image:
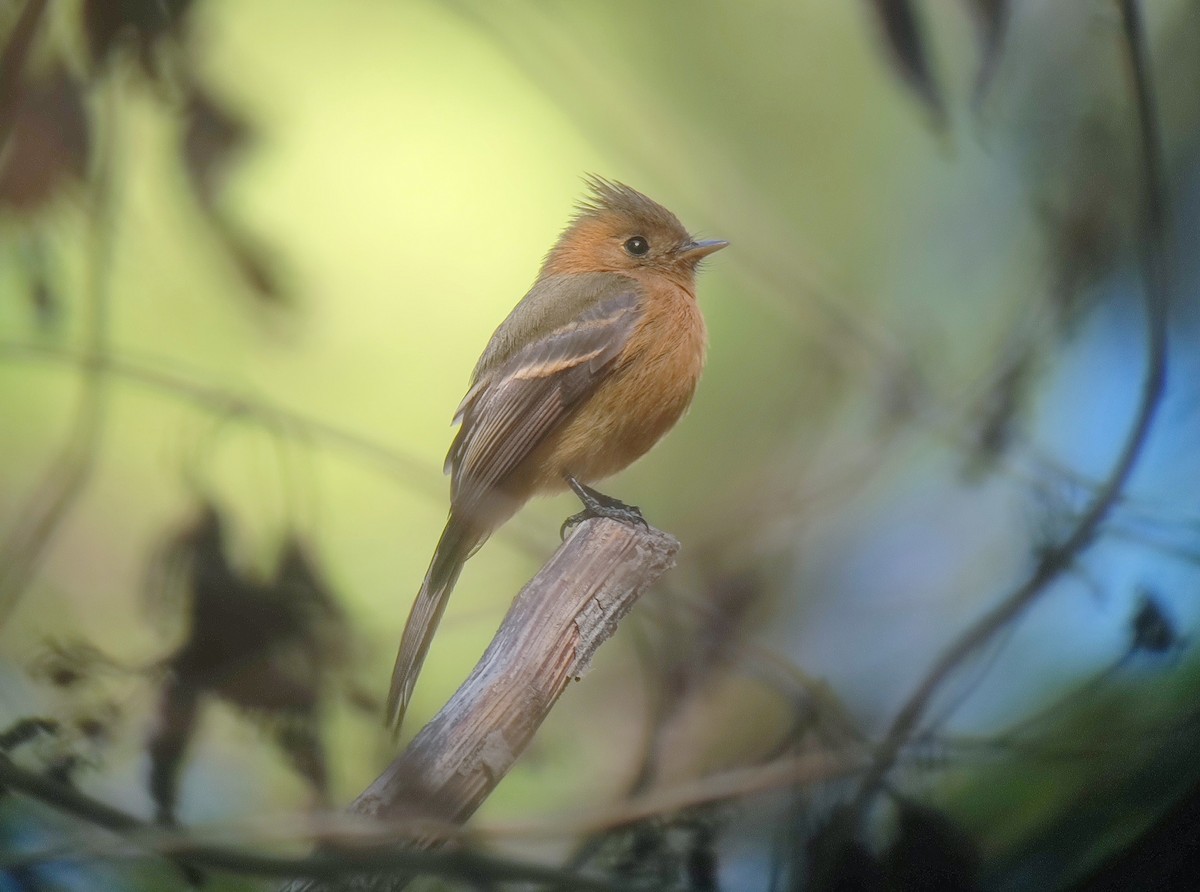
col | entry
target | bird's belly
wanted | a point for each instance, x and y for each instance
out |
(619, 424)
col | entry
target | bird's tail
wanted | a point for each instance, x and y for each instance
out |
(459, 540)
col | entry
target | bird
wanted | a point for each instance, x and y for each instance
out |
(597, 361)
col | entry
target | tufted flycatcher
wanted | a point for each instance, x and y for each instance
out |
(598, 361)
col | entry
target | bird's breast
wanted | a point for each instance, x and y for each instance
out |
(647, 392)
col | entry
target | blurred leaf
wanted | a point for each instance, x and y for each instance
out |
(213, 138)
(24, 730)
(236, 626)
(251, 262)
(930, 852)
(991, 20)
(12, 63)
(107, 24)
(731, 596)
(905, 42)
(1152, 629)
(300, 740)
(177, 713)
(94, 729)
(698, 644)
(268, 649)
(50, 142)
(62, 768)
(299, 581)
(1163, 856)
(47, 306)
(1084, 240)
(176, 722)
(996, 414)
(837, 861)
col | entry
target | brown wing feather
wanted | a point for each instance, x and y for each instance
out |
(511, 409)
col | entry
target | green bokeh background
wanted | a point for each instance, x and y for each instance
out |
(411, 164)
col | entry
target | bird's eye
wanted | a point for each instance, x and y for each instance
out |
(637, 246)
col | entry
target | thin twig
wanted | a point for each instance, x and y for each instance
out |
(217, 400)
(805, 769)
(1061, 557)
(802, 771)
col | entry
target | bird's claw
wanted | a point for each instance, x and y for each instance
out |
(597, 504)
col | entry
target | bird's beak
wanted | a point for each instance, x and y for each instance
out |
(694, 251)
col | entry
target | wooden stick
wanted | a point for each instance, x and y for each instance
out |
(547, 639)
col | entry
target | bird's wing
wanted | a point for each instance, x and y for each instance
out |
(513, 407)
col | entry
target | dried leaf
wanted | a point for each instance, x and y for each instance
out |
(266, 648)
(236, 626)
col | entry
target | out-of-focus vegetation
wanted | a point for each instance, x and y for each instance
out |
(249, 252)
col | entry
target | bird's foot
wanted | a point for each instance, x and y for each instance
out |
(597, 504)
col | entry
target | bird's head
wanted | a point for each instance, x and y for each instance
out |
(618, 229)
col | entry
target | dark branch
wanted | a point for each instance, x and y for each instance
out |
(320, 866)
(1061, 557)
